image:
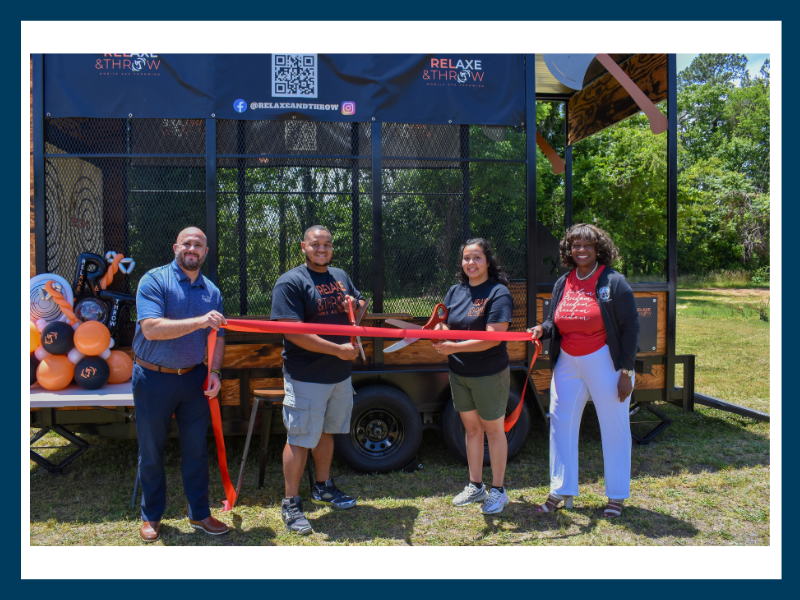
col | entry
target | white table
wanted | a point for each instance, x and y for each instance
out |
(115, 394)
(118, 394)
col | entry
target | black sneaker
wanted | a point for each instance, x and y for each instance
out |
(330, 495)
(293, 517)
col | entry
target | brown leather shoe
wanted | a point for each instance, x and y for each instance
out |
(150, 531)
(210, 525)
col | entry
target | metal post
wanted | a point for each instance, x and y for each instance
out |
(282, 235)
(241, 222)
(377, 236)
(356, 213)
(38, 164)
(465, 183)
(672, 218)
(567, 174)
(211, 198)
(310, 203)
(530, 190)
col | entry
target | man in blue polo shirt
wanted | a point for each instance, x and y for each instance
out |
(316, 373)
(176, 308)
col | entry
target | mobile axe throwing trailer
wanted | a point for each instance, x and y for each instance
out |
(403, 157)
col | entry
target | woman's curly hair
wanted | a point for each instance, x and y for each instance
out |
(495, 268)
(607, 252)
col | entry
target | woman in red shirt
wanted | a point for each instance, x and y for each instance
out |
(595, 327)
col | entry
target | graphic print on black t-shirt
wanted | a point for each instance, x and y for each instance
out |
(471, 309)
(331, 298)
(305, 295)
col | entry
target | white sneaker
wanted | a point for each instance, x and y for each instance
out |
(495, 503)
(470, 494)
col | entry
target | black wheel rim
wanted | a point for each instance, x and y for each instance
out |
(377, 433)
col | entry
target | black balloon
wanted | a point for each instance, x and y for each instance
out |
(92, 372)
(57, 337)
(92, 309)
(34, 364)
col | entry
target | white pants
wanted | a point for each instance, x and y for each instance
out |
(575, 379)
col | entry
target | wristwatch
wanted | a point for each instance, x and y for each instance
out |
(628, 372)
(218, 372)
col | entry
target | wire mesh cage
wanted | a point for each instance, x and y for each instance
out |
(130, 185)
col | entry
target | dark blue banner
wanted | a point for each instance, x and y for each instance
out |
(486, 89)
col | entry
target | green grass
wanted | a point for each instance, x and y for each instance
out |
(705, 481)
(724, 279)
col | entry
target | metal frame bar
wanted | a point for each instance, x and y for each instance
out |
(131, 155)
(377, 237)
(80, 446)
(465, 181)
(355, 216)
(672, 219)
(39, 229)
(532, 258)
(567, 172)
(211, 198)
(663, 422)
(241, 219)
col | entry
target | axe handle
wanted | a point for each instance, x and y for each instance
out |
(558, 164)
(658, 122)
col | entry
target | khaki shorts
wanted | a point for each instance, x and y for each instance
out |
(488, 395)
(311, 409)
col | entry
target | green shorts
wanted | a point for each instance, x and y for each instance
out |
(488, 395)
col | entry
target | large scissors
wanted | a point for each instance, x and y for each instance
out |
(355, 322)
(439, 316)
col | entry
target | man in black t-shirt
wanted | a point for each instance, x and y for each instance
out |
(316, 373)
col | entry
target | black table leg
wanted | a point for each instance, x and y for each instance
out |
(80, 446)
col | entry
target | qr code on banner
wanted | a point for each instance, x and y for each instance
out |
(294, 75)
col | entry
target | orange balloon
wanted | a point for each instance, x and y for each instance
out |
(91, 338)
(121, 366)
(34, 337)
(55, 372)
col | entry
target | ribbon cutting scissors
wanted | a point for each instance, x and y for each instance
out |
(355, 322)
(439, 316)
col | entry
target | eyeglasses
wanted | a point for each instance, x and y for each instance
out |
(580, 246)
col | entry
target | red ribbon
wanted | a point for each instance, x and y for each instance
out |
(349, 331)
(216, 423)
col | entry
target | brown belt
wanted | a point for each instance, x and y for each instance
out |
(152, 367)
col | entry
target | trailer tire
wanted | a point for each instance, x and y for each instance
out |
(385, 431)
(453, 430)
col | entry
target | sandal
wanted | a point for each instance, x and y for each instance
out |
(613, 509)
(553, 501)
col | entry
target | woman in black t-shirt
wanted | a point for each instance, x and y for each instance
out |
(479, 371)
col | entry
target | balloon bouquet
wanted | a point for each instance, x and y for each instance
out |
(67, 344)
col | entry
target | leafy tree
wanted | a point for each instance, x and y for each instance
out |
(715, 69)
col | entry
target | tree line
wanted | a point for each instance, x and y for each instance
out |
(619, 174)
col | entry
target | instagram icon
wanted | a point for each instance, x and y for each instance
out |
(348, 108)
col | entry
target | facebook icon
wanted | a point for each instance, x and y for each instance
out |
(240, 106)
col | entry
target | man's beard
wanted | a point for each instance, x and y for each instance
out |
(327, 264)
(182, 263)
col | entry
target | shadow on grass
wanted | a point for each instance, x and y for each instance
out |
(254, 536)
(522, 517)
(364, 522)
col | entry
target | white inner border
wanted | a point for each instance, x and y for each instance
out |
(454, 37)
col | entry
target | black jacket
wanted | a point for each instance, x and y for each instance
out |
(620, 318)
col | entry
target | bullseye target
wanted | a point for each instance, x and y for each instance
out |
(47, 309)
